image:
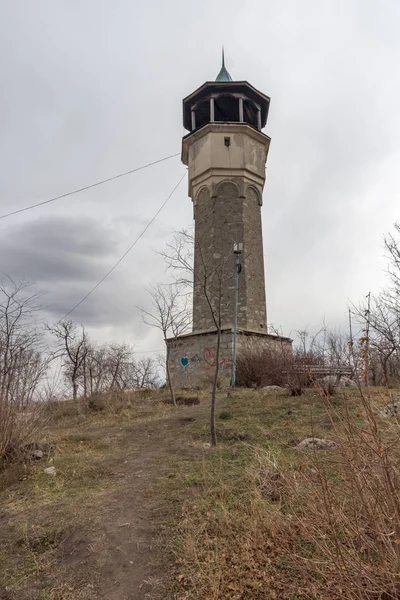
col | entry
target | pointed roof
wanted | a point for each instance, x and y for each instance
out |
(223, 75)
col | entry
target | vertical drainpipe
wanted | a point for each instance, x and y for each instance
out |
(237, 250)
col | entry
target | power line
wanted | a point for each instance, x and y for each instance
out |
(126, 252)
(88, 187)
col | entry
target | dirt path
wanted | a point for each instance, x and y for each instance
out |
(128, 546)
(128, 543)
(116, 550)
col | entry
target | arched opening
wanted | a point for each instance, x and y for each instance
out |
(250, 113)
(226, 108)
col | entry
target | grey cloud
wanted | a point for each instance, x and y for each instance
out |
(57, 249)
(92, 89)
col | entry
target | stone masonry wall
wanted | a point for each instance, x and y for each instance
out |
(192, 357)
(229, 213)
(226, 179)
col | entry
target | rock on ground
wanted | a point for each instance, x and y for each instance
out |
(392, 410)
(50, 471)
(346, 382)
(328, 380)
(37, 450)
(273, 388)
(317, 444)
(332, 380)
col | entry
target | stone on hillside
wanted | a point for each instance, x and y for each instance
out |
(328, 380)
(50, 471)
(334, 381)
(346, 382)
(38, 454)
(392, 410)
(316, 444)
(273, 388)
(37, 450)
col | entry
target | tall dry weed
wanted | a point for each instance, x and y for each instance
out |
(297, 525)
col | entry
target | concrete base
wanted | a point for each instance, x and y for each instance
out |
(193, 356)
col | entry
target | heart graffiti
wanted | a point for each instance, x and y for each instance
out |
(184, 361)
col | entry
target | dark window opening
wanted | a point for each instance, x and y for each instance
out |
(250, 113)
(202, 113)
(226, 108)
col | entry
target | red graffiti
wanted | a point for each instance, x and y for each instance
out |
(209, 355)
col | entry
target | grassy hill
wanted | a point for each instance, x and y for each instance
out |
(142, 506)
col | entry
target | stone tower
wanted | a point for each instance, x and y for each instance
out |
(226, 153)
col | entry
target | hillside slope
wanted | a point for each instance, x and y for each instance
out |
(142, 507)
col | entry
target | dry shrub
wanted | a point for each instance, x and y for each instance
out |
(327, 385)
(18, 426)
(347, 509)
(323, 525)
(258, 368)
(262, 367)
(97, 402)
(57, 410)
(23, 365)
(112, 402)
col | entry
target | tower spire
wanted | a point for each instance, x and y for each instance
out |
(223, 75)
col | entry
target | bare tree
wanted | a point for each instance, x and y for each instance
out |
(73, 348)
(23, 363)
(392, 246)
(210, 280)
(380, 316)
(119, 361)
(169, 314)
(144, 373)
(384, 337)
(179, 257)
(96, 368)
(212, 284)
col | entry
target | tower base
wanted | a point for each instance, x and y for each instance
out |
(193, 356)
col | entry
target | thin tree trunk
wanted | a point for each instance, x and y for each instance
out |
(84, 377)
(74, 389)
(214, 389)
(171, 387)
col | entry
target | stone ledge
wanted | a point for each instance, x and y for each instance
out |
(246, 332)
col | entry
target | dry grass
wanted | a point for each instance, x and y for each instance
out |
(243, 521)
(41, 516)
(258, 524)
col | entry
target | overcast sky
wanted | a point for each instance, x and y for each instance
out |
(91, 88)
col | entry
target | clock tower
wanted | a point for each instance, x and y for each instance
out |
(226, 152)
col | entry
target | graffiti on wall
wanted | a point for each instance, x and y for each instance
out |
(209, 356)
(206, 361)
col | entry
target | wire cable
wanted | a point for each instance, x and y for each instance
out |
(88, 187)
(126, 252)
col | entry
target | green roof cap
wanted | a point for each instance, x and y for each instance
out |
(223, 75)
